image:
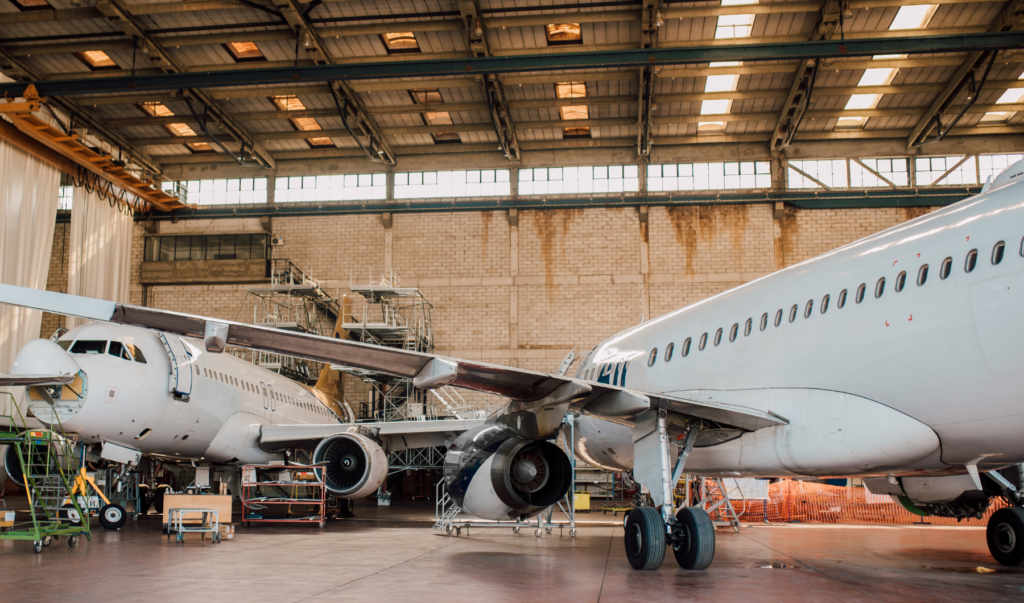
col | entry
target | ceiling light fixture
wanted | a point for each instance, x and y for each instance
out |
(479, 31)
(658, 22)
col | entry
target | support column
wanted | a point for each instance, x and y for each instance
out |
(387, 222)
(513, 298)
(645, 265)
(778, 168)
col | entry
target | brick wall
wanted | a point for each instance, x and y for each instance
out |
(57, 277)
(526, 293)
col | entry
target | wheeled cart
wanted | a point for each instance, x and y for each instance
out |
(179, 525)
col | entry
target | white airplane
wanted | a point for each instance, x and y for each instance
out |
(893, 358)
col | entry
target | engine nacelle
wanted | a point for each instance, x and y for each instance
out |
(354, 465)
(493, 473)
(9, 467)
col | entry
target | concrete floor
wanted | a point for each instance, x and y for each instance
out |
(393, 554)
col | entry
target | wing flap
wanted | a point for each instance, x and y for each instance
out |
(396, 435)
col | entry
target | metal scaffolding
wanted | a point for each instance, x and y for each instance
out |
(293, 301)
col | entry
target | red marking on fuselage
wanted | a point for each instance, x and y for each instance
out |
(911, 317)
(887, 323)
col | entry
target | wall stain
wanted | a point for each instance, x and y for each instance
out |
(909, 213)
(700, 224)
(553, 226)
(790, 228)
(486, 217)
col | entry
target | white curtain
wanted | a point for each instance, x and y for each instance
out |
(100, 250)
(28, 209)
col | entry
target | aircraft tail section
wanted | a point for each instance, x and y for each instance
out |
(330, 382)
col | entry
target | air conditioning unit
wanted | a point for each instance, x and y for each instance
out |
(276, 241)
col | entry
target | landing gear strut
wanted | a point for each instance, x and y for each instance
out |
(690, 532)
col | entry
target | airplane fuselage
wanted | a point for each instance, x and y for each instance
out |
(129, 402)
(874, 376)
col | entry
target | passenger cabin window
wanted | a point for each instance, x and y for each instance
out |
(901, 279)
(718, 336)
(946, 268)
(842, 299)
(860, 293)
(778, 317)
(88, 346)
(747, 327)
(997, 252)
(792, 313)
(668, 351)
(880, 287)
(652, 357)
(922, 275)
(117, 349)
(764, 321)
(686, 348)
(703, 342)
(824, 304)
(971, 261)
(808, 308)
(733, 332)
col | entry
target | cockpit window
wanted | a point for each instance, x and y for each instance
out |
(64, 344)
(136, 352)
(117, 349)
(88, 346)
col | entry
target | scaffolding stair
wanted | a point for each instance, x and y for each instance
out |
(717, 503)
(451, 399)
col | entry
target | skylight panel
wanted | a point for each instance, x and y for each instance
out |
(96, 60)
(721, 83)
(573, 112)
(877, 77)
(432, 96)
(302, 124)
(913, 17)
(26, 5)
(244, 52)
(402, 42)
(734, 26)
(179, 129)
(862, 101)
(715, 107)
(1013, 95)
(995, 118)
(563, 34)
(711, 127)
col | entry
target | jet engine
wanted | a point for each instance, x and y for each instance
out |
(493, 473)
(353, 465)
(9, 467)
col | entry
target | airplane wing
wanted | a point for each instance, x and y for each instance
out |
(532, 392)
(36, 379)
(396, 435)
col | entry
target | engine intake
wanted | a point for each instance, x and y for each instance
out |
(354, 466)
(493, 473)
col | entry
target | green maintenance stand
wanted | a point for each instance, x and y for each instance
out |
(49, 465)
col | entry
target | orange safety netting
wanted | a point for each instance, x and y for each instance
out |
(792, 501)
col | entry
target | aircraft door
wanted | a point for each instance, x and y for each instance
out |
(180, 382)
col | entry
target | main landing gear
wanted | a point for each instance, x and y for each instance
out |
(689, 532)
(1005, 531)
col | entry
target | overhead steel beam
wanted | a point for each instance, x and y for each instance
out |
(351, 107)
(81, 116)
(650, 21)
(969, 74)
(799, 98)
(497, 109)
(121, 18)
(621, 59)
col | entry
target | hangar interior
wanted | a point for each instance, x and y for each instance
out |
(505, 182)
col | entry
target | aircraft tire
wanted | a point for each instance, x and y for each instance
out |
(1005, 536)
(645, 538)
(698, 547)
(69, 514)
(113, 516)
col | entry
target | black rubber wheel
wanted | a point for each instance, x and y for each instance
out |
(113, 516)
(1005, 536)
(37, 546)
(697, 534)
(69, 514)
(645, 538)
(73, 541)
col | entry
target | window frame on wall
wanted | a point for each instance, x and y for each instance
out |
(443, 180)
(735, 175)
(331, 187)
(194, 247)
(580, 180)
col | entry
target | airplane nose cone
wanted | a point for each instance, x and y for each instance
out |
(44, 357)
